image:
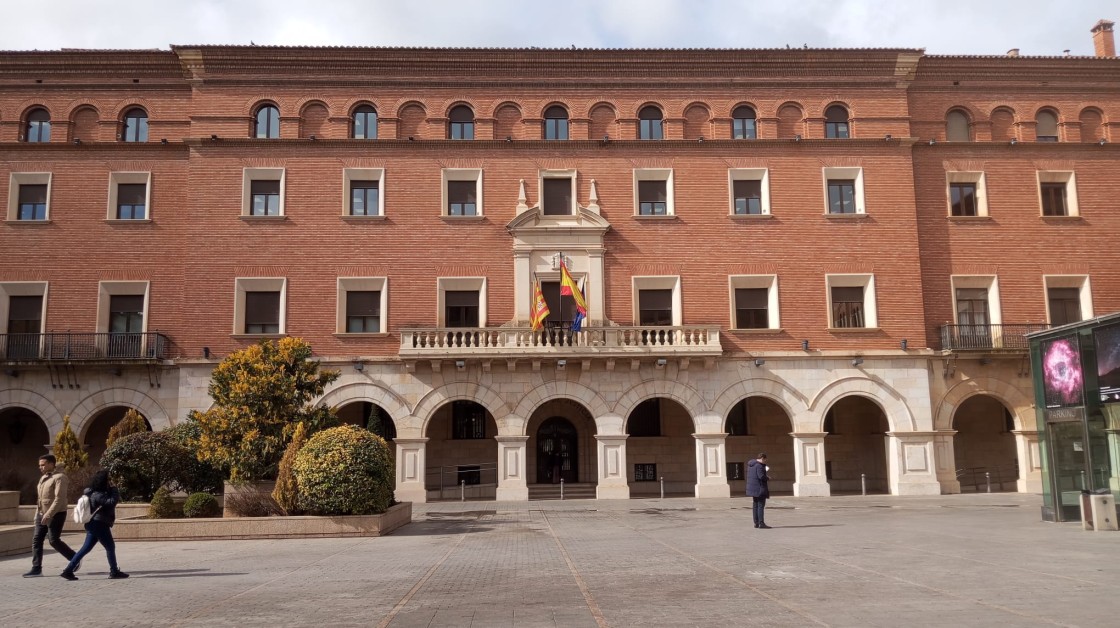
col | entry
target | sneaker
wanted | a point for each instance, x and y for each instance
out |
(77, 567)
(35, 572)
(69, 575)
(763, 526)
(117, 574)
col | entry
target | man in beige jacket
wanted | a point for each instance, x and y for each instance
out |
(50, 515)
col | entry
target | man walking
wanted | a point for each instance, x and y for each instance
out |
(50, 515)
(757, 488)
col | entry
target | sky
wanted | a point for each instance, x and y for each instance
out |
(949, 27)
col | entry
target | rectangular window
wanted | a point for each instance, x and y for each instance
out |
(972, 309)
(752, 308)
(1053, 199)
(126, 325)
(1065, 305)
(25, 323)
(556, 196)
(462, 198)
(963, 198)
(265, 197)
(468, 420)
(461, 308)
(655, 307)
(841, 196)
(836, 130)
(363, 312)
(364, 198)
(744, 129)
(262, 312)
(462, 130)
(32, 202)
(652, 198)
(132, 201)
(555, 129)
(645, 472)
(847, 306)
(735, 471)
(748, 197)
(470, 474)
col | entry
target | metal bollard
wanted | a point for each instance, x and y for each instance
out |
(462, 490)
(863, 483)
(662, 487)
(561, 489)
(1084, 486)
(988, 477)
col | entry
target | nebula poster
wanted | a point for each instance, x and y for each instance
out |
(1062, 380)
(1107, 340)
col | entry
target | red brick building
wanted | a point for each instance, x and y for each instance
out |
(830, 255)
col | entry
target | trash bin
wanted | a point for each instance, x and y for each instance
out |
(1101, 512)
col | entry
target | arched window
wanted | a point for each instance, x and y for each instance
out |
(1046, 125)
(743, 123)
(38, 128)
(956, 127)
(135, 125)
(365, 123)
(267, 123)
(836, 122)
(555, 123)
(460, 125)
(650, 124)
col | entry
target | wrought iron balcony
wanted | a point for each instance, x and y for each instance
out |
(508, 342)
(988, 337)
(84, 347)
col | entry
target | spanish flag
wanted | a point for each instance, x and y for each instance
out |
(539, 309)
(568, 287)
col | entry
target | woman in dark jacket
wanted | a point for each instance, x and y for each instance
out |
(103, 500)
(757, 488)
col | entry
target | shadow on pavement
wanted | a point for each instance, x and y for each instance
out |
(437, 528)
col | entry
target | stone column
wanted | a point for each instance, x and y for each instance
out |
(512, 485)
(612, 467)
(522, 283)
(945, 459)
(808, 456)
(1030, 461)
(910, 464)
(410, 470)
(595, 286)
(711, 466)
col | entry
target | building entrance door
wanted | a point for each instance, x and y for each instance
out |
(1069, 467)
(557, 452)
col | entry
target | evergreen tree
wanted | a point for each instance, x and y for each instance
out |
(67, 450)
(132, 423)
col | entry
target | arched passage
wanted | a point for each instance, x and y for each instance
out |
(23, 438)
(561, 445)
(462, 453)
(754, 425)
(97, 428)
(660, 446)
(984, 445)
(856, 448)
(368, 415)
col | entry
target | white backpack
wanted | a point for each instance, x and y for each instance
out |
(82, 512)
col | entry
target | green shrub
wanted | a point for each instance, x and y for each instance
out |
(287, 489)
(67, 450)
(344, 471)
(141, 463)
(131, 423)
(201, 505)
(253, 504)
(163, 507)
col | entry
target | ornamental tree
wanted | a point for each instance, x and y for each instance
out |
(132, 423)
(260, 394)
(67, 450)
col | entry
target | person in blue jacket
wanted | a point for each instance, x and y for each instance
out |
(757, 488)
(103, 500)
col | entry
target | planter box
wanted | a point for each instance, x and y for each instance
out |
(229, 489)
(262, 527)
(124, 511)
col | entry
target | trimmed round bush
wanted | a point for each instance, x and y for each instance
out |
(141, 463)
(344, 471)
(201, 505)
(163, 507)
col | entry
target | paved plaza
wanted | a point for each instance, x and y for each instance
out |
(963, 560)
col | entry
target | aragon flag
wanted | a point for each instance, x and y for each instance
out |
(539, 308)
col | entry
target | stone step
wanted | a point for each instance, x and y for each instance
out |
(16, 539)
(571, 491)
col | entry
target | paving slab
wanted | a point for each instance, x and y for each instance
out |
(963, 560)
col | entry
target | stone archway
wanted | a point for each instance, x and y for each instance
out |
(754, 425)
(856, 446)
(23, 438)
(462, 453)
(984, 446)
(554, 425)
(660, 447)
(95, 430)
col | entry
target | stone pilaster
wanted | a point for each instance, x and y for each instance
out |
(612, 467)
(512, 485)
(808, 452)
(711, 466)
(410, 470)
(910, 463)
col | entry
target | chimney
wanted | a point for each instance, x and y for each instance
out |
(1014, 52)
(1102, 39)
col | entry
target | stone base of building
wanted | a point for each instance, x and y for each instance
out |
(804, 489)
(612, 491)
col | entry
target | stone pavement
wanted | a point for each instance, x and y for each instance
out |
(963, 560)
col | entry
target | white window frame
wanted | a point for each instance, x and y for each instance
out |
(261, 174)
(855, 173)
(350, 175)
(259, 284)
(1067, 177)
(461, 174)
(981, 191)
(115, 180)
(569, 174)
(1081, 282)
(15, 180)
(9, 289)
(657, 282)
(853, 280)
(748, 174)
(361, 284)
(770, 283)
(655, 174)
(108, 289)
(444, 284)
(991, 282)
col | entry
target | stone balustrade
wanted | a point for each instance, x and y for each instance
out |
(444, 342)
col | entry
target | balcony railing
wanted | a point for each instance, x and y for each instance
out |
(83, 347)
(988, 337)
(699, 340)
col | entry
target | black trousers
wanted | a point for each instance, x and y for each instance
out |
(759, 511)
(52, 531)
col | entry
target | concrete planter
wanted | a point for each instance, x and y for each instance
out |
(263, 527)
(229, 489)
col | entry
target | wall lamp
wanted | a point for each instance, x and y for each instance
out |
(887, 137)
(163, 140)
(1014, 141)
(359, 366)
(411, 139)
(804, 345)
(312, 137)
(206, 352)
(902, 344)
(759, 361)
(661, 362)
(797, 138)
(932, 141)
(509, 138)
(1103, 141)
(561, 364)
(77, 140)
(213, 138)
(460, 364)
(856, 361)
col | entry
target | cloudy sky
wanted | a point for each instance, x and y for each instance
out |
(1036, 27)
